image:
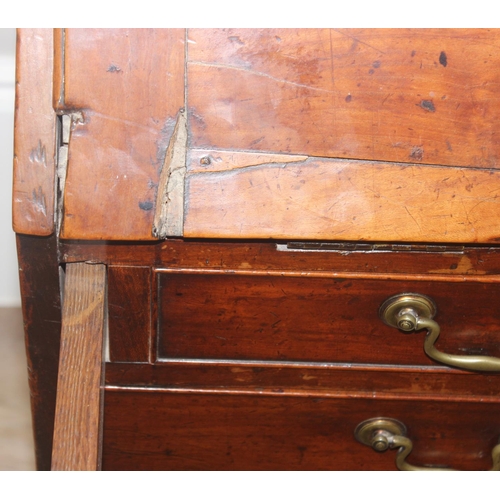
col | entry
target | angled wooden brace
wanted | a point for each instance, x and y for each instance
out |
(78, 419)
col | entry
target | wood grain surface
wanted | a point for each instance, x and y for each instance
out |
(129, 86)
(129, 313)
(181, 430)
(270, 114)
(78, 417)
(410, 96)
(404, 95)
(34, 135)
(234, 316)
(396, 261)
(368, 156)
(350, 380)
(345, 200)
(41, 304)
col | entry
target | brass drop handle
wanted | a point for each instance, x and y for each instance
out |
(412, 311)
(387, 433)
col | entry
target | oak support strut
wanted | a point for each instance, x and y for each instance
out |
(78, 405)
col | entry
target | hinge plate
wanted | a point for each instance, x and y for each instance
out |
(349, 247)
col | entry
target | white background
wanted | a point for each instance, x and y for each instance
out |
(9, 281)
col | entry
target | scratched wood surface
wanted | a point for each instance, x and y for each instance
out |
(429, 96)
(412, 96)
(129, 86)
(344, 200)
(78, 405)
(260, 99)
(193, 430)
(34, 135)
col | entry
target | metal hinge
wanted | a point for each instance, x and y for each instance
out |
(349, 247)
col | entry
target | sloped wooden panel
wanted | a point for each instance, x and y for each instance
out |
(419, 96)
(129, 86)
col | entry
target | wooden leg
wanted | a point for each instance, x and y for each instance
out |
(40, 293)
(77, 424)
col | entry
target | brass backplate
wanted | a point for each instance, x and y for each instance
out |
(365, 430)
(421, 305)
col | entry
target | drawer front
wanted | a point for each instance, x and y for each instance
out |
(286, 317)
(168, 430)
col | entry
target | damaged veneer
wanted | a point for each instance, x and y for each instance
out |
(169, 214)
(67, 123)
(117, 154)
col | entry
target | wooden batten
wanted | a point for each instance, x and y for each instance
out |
(34, 135)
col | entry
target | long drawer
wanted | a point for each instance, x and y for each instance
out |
(196, 430)
(284, 316)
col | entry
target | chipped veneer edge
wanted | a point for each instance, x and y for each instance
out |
(169, 213)
(228, 160)
(68, 121)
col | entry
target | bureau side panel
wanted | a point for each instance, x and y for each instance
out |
(129, 313)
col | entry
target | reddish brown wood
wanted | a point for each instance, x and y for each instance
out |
(129, 85)
(171, 430)
(78, 418)
(260, 317)
(413, 95)
(453, 262)
(307, 92)
(34, 135)
(344, 200)
(129, 313)
(40, 294)
(434, 383)
(247, 354)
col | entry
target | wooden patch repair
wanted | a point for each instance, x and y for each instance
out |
(169, 215)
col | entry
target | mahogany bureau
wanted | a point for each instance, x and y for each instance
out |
(260, 249)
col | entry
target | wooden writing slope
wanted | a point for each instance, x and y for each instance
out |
(260, 249)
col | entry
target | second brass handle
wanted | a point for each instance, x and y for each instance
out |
(409, 312)
(387, 433)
